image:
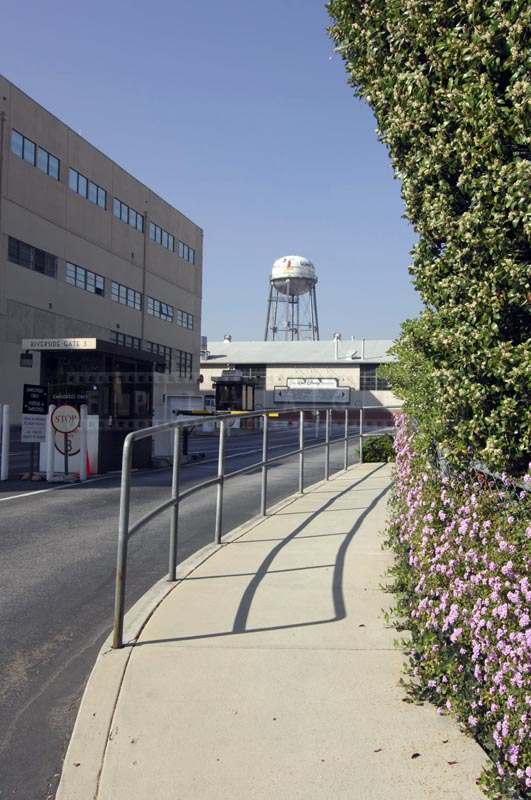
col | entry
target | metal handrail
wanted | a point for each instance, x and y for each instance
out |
(125, 531)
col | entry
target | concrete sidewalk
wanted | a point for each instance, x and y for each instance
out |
(269, 672)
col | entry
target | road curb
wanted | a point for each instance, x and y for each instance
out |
(94, 722)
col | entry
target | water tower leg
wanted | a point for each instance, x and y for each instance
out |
(268, 316)
(314, 314)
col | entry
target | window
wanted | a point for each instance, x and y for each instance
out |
(84, 279)
(126, 296)
(125, 340)
(162, 237)
(87, 189)
(184, 319)
(162, 350)
(187, 253)
(32, 257)
(24, 148)
(183, 364)
(370, 380)
(159, 309)
(128, 215)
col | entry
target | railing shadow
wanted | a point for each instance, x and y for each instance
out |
(240, 624)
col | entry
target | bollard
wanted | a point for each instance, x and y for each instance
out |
(4, 469)
(83, 421)
(50, 444)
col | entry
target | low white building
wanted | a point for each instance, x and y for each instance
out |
(341, 373)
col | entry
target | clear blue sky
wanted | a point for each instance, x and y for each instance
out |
(238, 113)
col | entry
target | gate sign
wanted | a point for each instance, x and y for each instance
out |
(35, 399)
(65, 419)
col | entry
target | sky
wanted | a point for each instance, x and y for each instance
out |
(238, 113)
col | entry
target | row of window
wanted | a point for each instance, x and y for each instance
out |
(128, 215)
(166, 312)
(162, 237)
(32, 257)
(182, 363)
(34, 154)
(159, 309)
(84, 279)
(186, 252)
(87, 189)
(37, 156)
(125, 340)
(40, 261)
(126, 296)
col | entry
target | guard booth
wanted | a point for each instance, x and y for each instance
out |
(234, 391)
(115, 382)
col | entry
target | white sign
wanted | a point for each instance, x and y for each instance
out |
(312, 383)
(33, 428)
(325, 395)
(65, 419)
(58, 344)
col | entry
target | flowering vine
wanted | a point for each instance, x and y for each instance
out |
(462, 582)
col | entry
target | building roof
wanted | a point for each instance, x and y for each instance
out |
(323, 352)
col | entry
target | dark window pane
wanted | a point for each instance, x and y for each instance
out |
(116, 207)
(151, 231)
(164, 239)
(92, 192)
(171, 243)
(140, 223)
(42, 159)
(125, 213)
(17, 143)
(29, 151)
(53, 167)
(102, 197)
(39, 260)
(72, 179)
(132, 217)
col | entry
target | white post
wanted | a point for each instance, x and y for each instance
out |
(50, 444)
(4, 470)
(83, 443)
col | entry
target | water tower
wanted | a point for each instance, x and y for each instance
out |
(292, 304)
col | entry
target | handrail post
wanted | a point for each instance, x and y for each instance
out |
(301, 454)
(221, 474)
(361, 435)
(345, 454)
(174, 522)
(123, 534)
(327, 445)
(265, 442)
(83, 433)
(6, 433)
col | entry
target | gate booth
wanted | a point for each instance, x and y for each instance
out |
(115, 382)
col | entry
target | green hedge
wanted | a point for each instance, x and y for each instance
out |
(378, 448)
(448, 84)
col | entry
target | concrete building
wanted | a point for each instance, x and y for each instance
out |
(88, 252)
(314, 373)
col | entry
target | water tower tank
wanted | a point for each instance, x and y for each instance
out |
(294, 275)
(292, 304)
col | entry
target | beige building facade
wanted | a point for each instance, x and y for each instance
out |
(342, 374)
(87, 250)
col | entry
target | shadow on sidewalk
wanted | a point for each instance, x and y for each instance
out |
(244, 607)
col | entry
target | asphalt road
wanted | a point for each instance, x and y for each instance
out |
(57, 557)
